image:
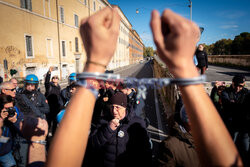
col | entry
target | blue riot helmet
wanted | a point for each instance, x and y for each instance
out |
(31, 79)
(72, 77)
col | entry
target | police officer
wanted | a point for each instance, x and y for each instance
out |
(65, 93)
(31, 101)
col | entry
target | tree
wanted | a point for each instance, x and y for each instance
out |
(148, 52)
(222, 47)
(241, 44)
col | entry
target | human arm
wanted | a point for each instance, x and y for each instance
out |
(176, 47)
(47, 79)
(35, 129)
(99, 33)
(101, 135)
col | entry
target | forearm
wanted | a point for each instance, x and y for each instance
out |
(47, 78)
(37, 154)
(212, 148)
(69, 143)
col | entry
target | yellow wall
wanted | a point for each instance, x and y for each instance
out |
(41, 23)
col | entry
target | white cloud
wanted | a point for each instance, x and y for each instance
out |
(231, 14)
(146, 37)
(229, 26)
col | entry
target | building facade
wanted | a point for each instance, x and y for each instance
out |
(121, 57)
(136, 47)
(37, 34)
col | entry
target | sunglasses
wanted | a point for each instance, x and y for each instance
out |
(241, 86)
(11, 89)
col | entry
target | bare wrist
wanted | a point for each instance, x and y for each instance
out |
(90, 67)
(185, 72)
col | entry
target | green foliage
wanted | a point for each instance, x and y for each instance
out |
(148, 52)
(222, 47)
(240, 45)
(13, 72)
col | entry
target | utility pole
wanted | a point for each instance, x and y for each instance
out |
(190, 5)
(59, 42)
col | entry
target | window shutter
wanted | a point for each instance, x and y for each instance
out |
(29, 5)
(29, 46)
(62, 14)
(22, 3)
(63, 49)
(76, 44)
(76, 20)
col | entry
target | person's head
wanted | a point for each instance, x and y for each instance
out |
(110, 85)
(200, 47)
(8, 88)
(118, 104)
(6, 102)
(55, 79)
(72, 78)
(73, 88)
(14, 81)
(31, 82)
(238, 82)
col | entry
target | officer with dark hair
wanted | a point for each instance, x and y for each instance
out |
(11, 118)
(233, 100)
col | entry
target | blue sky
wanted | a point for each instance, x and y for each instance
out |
(220, 18)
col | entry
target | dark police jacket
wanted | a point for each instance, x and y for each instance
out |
(32, 103)
(128, 145)
(235, 108)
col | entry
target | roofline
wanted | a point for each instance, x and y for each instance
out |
(122, 13)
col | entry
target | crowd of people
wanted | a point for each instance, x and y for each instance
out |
(95, 125)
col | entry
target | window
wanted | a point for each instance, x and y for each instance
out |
(29, 48)
(63, 48)
(76, 20)
(46, 7)
(94, 5)
(100, 8)
(26, 4)
(76, 44)
(85, 2)
(62, 14)
(30, 70)
(49, 46)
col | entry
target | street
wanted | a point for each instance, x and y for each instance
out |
(153, 110)
(216, 73)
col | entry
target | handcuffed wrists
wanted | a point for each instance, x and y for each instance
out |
(42, 142)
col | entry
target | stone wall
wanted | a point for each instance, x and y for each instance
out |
(234, 60)
(168, 94)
